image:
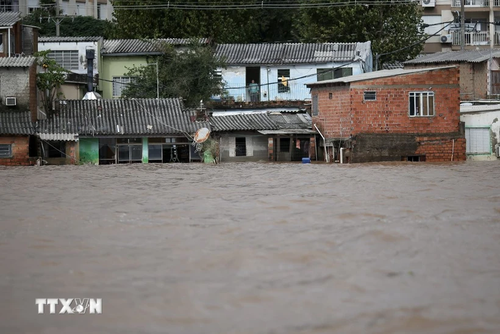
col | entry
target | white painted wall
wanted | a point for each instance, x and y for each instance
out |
(235, 79)
(480, 117)
(82, 49)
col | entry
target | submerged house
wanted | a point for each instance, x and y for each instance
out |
(263, 135)
(18, 110)
(282, 69)
(121, 131)
(390, 115)
(482, 130)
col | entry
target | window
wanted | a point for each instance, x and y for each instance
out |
(332, 73)
(285, 145)
(370, 96)
(421, 104)
(5, 150)
(283, 84)
(315, 110)
(120, 84)
(342, 72)
(241, 147)
(107, 149)
(56, 149)
(66, 58)
(477, 140)
(1, 42)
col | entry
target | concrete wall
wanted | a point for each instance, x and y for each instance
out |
(484, 119)
(18, 82)
(20, 151)
(117, 67)
(256, 147)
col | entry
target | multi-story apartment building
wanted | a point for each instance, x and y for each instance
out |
(99, 9)
(480, 29)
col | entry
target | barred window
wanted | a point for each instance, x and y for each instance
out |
(421, 104)
(315, 110)
(120, 84)
(370, 96)
(283, 77)
(65, 58)
(5, 150)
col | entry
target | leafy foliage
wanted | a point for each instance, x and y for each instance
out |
(190, 74)
(222, 26)
(49, 79)
(70, 26)
(390, 27)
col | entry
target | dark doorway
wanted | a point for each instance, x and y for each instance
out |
(252, 73)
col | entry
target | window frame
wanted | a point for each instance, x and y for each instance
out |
(369, 93)
(281, 87)
(8, 149)
(68, 59)
(121, 83)
(418, 98)
(315, 105)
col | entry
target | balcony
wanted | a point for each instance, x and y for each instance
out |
(473, 38)
(474, 3)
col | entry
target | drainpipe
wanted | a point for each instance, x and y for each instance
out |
(324, 143)
(8, 41)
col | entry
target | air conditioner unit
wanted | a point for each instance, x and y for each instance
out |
(428, 3)
(10, 101)
(447, 38)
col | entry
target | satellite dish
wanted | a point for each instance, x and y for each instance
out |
(201, 135)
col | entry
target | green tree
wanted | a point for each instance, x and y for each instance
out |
(49, 80)
(70, 26)
(389, 26)
(219, 24)
(190, 74)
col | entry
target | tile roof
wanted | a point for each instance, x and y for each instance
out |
(377, 75)
(135, 117)
(291, 53)
(470, 56)
(55, 39)
(141, 46)
(8, 19)
(17, 61)
(247, 121)
(16, 123)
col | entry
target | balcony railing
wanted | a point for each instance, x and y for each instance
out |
(473, 3)
(471, 38)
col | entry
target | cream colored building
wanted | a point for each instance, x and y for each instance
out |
(480, 15)
(99, 9)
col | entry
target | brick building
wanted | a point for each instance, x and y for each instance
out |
(390, 115)
(479, 70)
(18, 110)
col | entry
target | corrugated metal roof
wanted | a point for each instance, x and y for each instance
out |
(479, 108)
(377, 75)
(260, 121)
(16, 123)
(287, 132)
(469, 56)
(59, 136)
(134, 46)
(17, 61)
(291, 53)
(55, 39)
(134, 117)
(247, 121)
(8, 19)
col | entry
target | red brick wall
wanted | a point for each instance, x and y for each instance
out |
(441, 149)
(346, 113)
(20, 151)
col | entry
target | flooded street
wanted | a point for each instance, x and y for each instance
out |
(253, 248)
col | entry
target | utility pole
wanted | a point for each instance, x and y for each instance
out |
(462, 25)
(57, 21)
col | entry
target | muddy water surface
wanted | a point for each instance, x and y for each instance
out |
(253, 248)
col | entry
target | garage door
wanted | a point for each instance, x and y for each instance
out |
(478, 140)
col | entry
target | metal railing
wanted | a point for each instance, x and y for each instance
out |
(295, 91)
(473, 3)
(472, 38)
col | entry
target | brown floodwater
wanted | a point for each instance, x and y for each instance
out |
(253, 248)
